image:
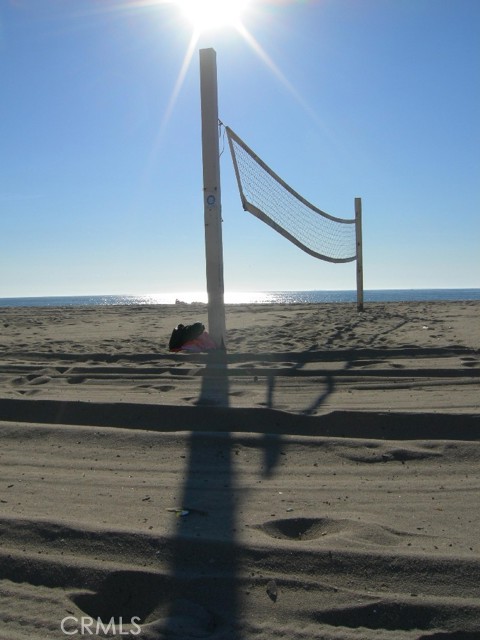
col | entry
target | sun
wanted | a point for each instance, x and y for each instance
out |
(213, 14)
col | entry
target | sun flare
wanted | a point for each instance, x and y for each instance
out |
(212, 14)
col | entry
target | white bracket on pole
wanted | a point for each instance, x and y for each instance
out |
(212, 196)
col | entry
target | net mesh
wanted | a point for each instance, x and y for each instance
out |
(269, 198)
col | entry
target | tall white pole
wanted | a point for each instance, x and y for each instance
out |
(359, 243)
(212, 196)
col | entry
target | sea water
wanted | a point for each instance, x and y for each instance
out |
(251, 297)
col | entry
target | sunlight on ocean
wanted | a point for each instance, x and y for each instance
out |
(304, 297)
(247, 297)
(232, 297)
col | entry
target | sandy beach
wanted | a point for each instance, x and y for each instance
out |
(318, 481)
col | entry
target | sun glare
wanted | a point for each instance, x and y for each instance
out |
(212, 14)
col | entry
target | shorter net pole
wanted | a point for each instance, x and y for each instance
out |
(358, 234)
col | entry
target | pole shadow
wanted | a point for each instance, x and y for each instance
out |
(206, 557)
(205, 547)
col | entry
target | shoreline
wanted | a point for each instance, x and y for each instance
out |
(239, 298)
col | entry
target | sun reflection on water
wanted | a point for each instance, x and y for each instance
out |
(200, 297)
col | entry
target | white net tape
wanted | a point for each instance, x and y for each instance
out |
(269, 198)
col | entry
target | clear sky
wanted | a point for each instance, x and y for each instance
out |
(100, 142)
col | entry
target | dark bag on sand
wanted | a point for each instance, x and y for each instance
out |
(184, 333)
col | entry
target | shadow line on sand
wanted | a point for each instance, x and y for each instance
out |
(347, 424)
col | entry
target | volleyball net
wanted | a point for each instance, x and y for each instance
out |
(265, 195)
(269, 198)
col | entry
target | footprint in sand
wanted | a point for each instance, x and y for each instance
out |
(76, 379)
(397, 616)
(381, 453)
(470, 362)
(302, 529)
(30, 380)
(37, 380)
(237, 394)
(153, 387)
(153, 600)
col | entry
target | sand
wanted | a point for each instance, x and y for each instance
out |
(318, 481)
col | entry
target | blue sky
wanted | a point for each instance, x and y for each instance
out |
(101, 181)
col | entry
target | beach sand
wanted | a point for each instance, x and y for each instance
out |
(318, 481)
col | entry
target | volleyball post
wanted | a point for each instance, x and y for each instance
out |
(359, 255)
(212, 197)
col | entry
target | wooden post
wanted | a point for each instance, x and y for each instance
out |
(212, 196)
(358, 234)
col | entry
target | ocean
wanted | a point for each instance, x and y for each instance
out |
(255, 297)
